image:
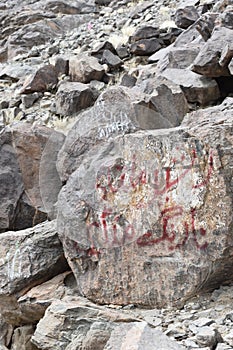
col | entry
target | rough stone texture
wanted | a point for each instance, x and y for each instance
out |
(196, 88)
(113, 61)
(84, 68)
(6, 332)
(11, 184)
(186, 16)
(21, 339)
(178, 58)
(120, 111)
(145, 47)
(140, 336)
(44, 79)
(28, 258)
(145, 32)
(34, 303)
(207, 61)
(140, 219)
(75, 323)
(72, 97)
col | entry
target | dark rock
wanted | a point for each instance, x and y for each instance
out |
(101, 47)
(145, 32)
(103, 2)
(186, 16)
(111, 60)
(11, 183)
(71, 8)
(122, 51)
(207, 61)
(180, 58)
(128, 80)
(84, 68)
(145, 47)
(205, 25)
(46, 78)
(72, 97)
(197, 89)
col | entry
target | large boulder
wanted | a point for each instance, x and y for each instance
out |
(207, 61)
(119, 111)
(28, 258)
(147, 217)
(28, 169)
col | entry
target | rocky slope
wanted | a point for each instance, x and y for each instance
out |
(116, 175)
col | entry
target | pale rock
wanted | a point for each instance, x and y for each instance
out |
(21, 339)
(74, 322)
(84, 68)
(207, 337)
(201, 322)
(140, 336)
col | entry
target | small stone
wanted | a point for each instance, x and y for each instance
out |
(113, 61)
(201, 322)
(28, 100)
(206, 337)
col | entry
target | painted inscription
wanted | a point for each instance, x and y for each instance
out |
(145, 202)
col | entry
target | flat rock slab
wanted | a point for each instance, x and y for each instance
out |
(140, 218)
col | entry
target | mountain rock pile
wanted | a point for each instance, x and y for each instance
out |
(116, 171)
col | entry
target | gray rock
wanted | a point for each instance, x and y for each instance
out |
(207, 336)
(123, 212)
(119, 111)
(28, 100)
(186, 16)
(61, 64)
(11, 183)
(139, 335)
(85, 68)
(207, 61)
(74, 322)
(29, 257)
(44, 79)
(181, 58)
(196, 88)
(111, 60)
(72, 97)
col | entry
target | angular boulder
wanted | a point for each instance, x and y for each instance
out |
(120, 111)
(147, 217)
(72, 97)
(139, 336)
(207, 61)
(76, 323)
(27, 258)
(186, 16)
(84, 68)
(145, 47)
(197, 88)
(44, 79)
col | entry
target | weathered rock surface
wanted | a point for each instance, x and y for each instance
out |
(21, 339)
(120, 111)
(29, 257)
(72, 97)
(44, 79)
(76, 323)
(118, 213)
(85, 68)
(140, 336)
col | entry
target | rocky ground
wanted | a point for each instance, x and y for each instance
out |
(116, 153)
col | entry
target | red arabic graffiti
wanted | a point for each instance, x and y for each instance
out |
(116, 230)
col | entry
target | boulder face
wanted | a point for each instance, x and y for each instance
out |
(147, 217)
